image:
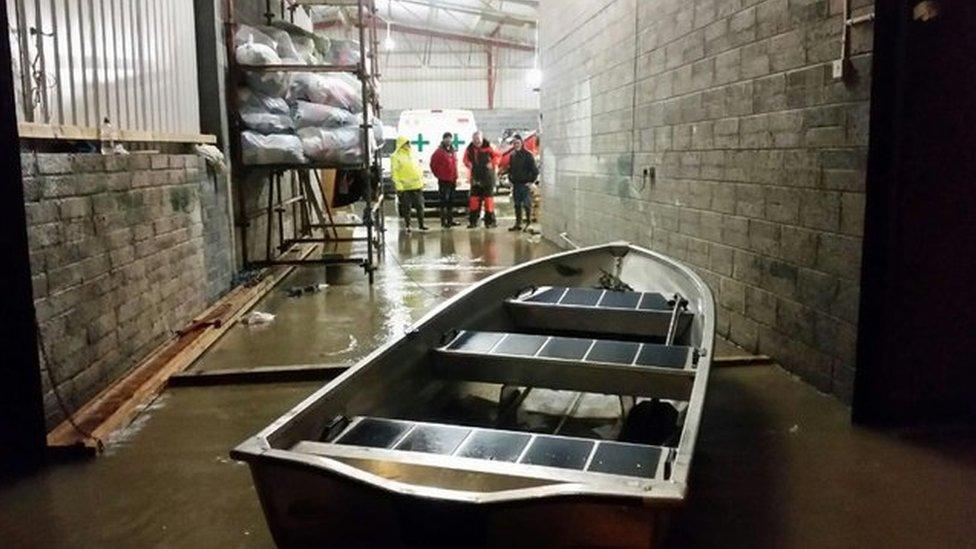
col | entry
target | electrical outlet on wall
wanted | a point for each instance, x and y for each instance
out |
(649, 174)
(838, 69)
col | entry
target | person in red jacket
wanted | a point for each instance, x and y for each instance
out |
(481, 160)
(443, 164)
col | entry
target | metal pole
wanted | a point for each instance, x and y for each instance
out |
(491, 78)
(25, 63)
(281, 212)
(679, 305)
(365, 69)
(269, 218)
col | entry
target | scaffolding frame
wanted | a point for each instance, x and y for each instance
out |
(303, 203)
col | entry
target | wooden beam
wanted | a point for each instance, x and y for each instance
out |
(741, 360)
(32, 130)
(259, 374)
(116, 406)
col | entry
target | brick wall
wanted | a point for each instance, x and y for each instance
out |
(124, 250)
(758, 156)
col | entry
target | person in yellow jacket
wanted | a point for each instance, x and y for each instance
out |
(409, 183)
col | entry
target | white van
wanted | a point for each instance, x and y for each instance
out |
(424, 128)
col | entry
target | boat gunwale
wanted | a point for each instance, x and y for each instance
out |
(658, 491)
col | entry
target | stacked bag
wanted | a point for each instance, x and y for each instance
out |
(297, 118)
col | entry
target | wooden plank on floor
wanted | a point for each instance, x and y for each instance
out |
(741, 360)
(260, 374)
(116, 406)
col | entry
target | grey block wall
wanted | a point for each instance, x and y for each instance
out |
(255, 190)
(124, 250)
(754, 156)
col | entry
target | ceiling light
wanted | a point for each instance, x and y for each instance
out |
(388, 43)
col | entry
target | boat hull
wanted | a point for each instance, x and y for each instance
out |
(306, 507)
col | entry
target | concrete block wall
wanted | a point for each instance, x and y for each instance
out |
(124, 250)
(255, 190)
(713, 131)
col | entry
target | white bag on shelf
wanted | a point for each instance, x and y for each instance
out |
(377, 131)
(332, 145)
(252, 52)
(308, 114)
(274, 84)
(325, 90)
(249, 99)
(306, 43)
(265, 114)
(342, 52)
(247, 34)
(285, 47)
(258, 149)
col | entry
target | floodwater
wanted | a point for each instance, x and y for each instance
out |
(777, 465)
(346, 320)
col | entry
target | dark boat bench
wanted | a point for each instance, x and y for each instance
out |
(568, 363)
(475, 448)
(595, 311)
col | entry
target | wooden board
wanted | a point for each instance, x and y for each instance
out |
(119, 404)
(31, 130)
(741, 360)
(259, 374)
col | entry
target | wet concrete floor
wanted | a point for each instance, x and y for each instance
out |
(778, 464)
(348, 319)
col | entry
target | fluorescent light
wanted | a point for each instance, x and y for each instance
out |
(534, 78)
(388, 43)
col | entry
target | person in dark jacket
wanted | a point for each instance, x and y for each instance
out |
(481, 159)
(522, 172)
(443, 164)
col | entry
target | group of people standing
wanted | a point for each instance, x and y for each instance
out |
(481, 160)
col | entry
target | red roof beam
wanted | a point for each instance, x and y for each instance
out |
(445, 35)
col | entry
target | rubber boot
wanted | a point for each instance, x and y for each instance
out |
(473, 219)
(518, 220)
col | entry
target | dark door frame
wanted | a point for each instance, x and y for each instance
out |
(916, 332)
(22, 429)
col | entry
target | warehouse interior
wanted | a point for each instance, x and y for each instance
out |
(208, 241)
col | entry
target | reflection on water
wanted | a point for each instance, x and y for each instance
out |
(349, 319)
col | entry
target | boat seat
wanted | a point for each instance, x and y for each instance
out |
(568, 363)
(513, 447)
(594, 311)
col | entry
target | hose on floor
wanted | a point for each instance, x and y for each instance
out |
(68, 414)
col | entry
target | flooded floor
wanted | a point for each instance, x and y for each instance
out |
(778, 464)
(343, 321)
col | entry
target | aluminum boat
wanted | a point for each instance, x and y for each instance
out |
(555, 403)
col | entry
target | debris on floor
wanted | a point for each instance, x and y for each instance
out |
(257, 317)
(298, 291)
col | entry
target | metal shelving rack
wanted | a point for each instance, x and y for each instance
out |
(302, 202)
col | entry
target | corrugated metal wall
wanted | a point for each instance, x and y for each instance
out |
(431, 73)
(132, 61)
